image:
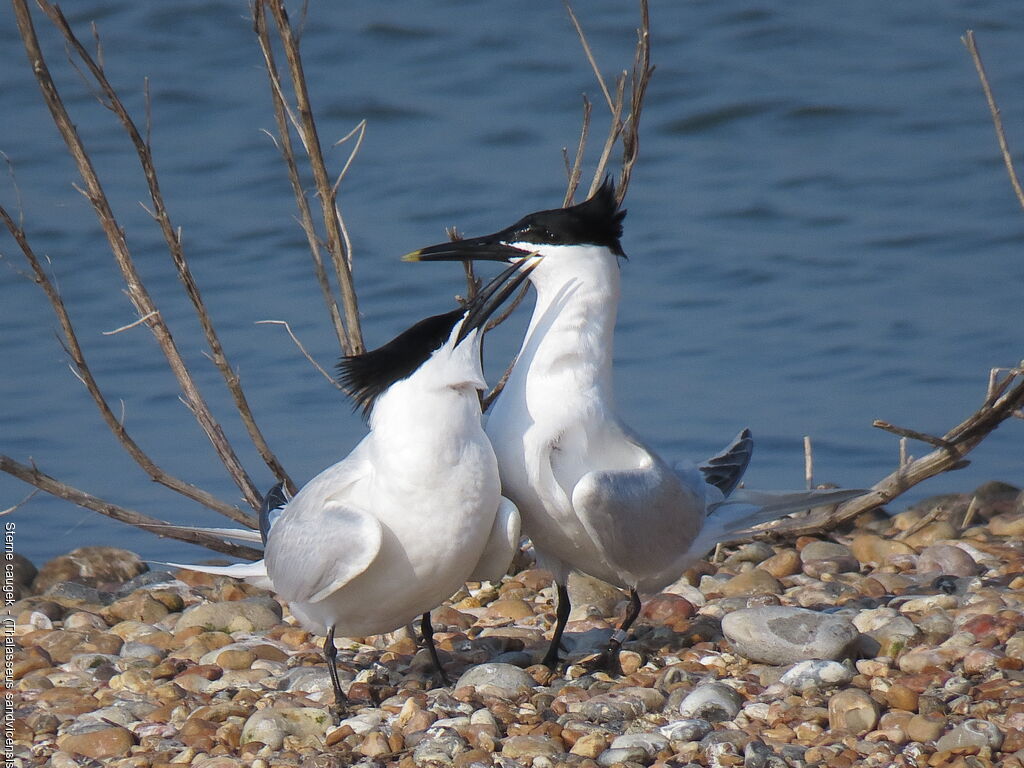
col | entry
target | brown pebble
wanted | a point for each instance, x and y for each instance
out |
(473, 757)
(198, 733)
(852, 710)
(205, 671)
(138, 606)
(870, 549)
(29, 660)
(373, 744)
(508, 609)
(782, 564)
(667, 609)
(235, 658)
(926, 727)
(590, 745)
(530, 746)
(99, 744)
(753, 582)
(899, 696)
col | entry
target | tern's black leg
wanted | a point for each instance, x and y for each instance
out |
(561, 618)
(609, 658)
(331, 654)
(427, 630)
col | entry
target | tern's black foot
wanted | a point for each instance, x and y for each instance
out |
(605, 661)
(339, 711)
(442, 677)
(551, 661)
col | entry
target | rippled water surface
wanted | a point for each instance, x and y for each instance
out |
(820, 228)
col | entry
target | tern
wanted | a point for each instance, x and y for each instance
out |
(593, 496)
(414, 511)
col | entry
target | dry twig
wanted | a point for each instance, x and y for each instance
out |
(84, 374)
(137, 292)
(997, 120)
(1008, 396)
(283, 115)
(44, 482)
(337, 240)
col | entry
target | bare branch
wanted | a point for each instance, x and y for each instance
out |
(590, 57)
(302, 349)
(808, 463)
(340, 256)
(140, 321)
(115, 235)
(639, 79)
(997, 120)
(576, 171)
(614, 131)
(957, 443)
(44, 482)
(15, 507)
(938, 442)
(360, 132)
(84, 374)
(173, 240)
(282, 116)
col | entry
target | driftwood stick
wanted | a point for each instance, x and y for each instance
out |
(44, 482)
(137, 292)
(960, 441)
(913, 434)
(173, 240)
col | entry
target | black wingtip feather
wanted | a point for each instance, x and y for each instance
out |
(725, 470)
(366, 377)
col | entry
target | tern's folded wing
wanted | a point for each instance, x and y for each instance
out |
(310, 556)
(642, 519)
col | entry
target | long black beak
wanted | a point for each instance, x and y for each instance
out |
(486, 248)
(493, 295)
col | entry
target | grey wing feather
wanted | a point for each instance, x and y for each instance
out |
(638, 516)
(310, 558)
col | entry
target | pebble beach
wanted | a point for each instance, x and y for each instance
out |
(894, 641)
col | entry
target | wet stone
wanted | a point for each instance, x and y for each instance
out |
(817, 673)
(499, 678)
(235, 616)
(853, 711)
(650, 743)
(713, 702)
(99, 743)
(971, 733)
(691, 729)
(753, 582)
(439, 747)
(946, 559)
(787, 635)
(588, 596)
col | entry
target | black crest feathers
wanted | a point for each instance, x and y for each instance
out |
(366, 377)
(596, 221)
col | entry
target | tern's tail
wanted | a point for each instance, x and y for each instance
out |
(747, 508)
(254, 573)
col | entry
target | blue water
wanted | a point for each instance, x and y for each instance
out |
(820, 228)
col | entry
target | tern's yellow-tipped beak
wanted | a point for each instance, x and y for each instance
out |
(414, 256)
